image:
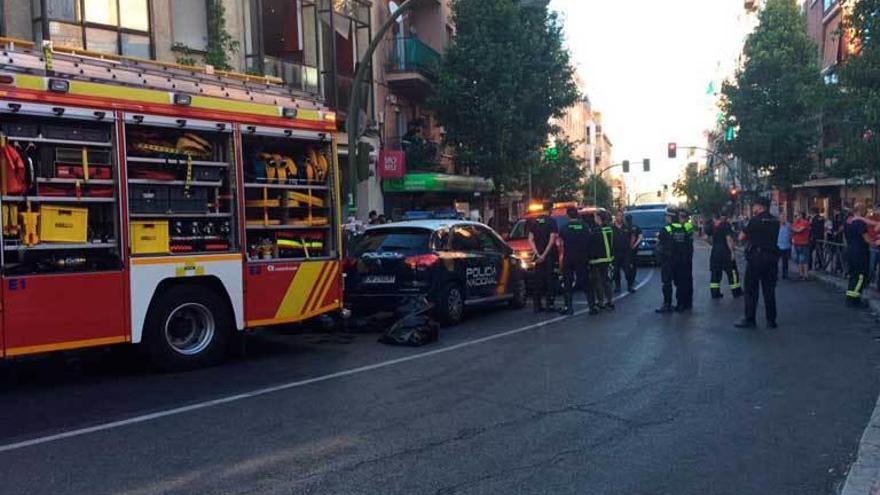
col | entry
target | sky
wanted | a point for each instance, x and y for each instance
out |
(647, 65)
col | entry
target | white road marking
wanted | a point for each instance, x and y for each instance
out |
(287, 386)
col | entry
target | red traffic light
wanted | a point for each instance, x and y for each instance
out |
(733, 192)
(672, 150)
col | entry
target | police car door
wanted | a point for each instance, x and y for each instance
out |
(475, 267)
(499, 261)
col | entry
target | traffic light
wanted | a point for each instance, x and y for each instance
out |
(552, 154)
(729, 135)
(646, 164)
(672, 150)
(626, 166)
(733, 192)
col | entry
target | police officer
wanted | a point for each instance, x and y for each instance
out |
(683, 261)
(601, 257)
(622, 240)
(631, 267)
(575, 241)
(723, 257)
(858, 243)
(762, 258)
(664, 257)
(543, 234)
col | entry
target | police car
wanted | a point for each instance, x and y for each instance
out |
(454, 263)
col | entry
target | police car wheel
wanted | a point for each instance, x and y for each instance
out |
(520, 294)
(450, 304)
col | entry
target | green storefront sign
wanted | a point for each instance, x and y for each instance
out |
(432, 182)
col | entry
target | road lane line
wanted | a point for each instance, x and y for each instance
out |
(287, 386)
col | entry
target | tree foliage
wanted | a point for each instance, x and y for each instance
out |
(504, 75)
(604, 195)
(855, 117)
(702, 191)
(775, 100)
(560, 179)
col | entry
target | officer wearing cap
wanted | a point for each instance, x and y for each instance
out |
(664, 257)
(762, 258)
(683, 264)
(575, 243)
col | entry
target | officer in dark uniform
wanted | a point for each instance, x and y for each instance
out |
(601, 257)
(543, 234)
(622, 241)
(723, 257)
(631, 267)
(858, 244)
(762, 259)
(683, 261)
(664, 257)
(575, 239)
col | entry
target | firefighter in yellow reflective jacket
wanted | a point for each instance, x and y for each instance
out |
(601, 257)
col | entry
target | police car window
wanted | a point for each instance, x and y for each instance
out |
(465, 239)
(440, 241)
(488, 240)
(404, 241)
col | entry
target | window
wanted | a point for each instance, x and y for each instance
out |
(827, 4)
(489, 242)
(464, 239)
(119, 27)
(189, 23)
(281, 40)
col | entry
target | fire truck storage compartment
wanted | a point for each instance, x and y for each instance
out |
(289, 201)
(181, 181)
(60, 208)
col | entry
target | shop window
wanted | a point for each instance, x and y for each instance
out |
(119, 27)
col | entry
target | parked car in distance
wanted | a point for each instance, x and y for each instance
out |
(651, 219)
(453, 263)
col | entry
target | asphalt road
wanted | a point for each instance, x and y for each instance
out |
(625, 402)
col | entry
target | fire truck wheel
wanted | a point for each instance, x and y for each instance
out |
(187, 327)
(450, 304)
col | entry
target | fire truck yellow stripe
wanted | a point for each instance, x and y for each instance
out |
(234, 106)
(24, 81)
(303, 284)
(325, 286)
(74, 344)
(119, 92)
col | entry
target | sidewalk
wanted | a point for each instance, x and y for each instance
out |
(864, 474)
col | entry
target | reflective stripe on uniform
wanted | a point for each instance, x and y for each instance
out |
(735, 284)
(857, 292)
(688, 226)
(713, 285)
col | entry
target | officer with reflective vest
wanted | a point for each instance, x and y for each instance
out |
(664, 258)
(762, 262)
(601, 257)
(723, 257)
(575, 243)
(682, 234)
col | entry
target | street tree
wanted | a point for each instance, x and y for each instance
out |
(505, 74)
(604, 195)
(560, 176)
(701, 190)
(775, 100)
(854, 119)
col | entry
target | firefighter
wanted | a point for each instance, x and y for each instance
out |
(575, 242)
(601, 257)
(723, 257)
(664, 257)
(858, 243)
(543, 237)
(683, 261)
(762, 260)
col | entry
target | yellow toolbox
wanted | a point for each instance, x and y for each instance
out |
(149, 237)
(63, 224)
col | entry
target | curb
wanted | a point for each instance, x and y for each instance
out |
(863, 477)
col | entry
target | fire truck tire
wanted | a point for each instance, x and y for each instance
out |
(187, 327)
(450, 304)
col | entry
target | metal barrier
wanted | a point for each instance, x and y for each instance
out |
(830, 257)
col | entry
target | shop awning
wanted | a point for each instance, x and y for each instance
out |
(433, 182)
(835, 182)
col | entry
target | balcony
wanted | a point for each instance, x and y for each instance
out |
(296, 76)
(411, 68)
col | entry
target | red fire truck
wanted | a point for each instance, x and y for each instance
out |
(159, 205)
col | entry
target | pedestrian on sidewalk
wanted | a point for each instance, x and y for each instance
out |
(783, 242)
(575, 242)
(601, 257)
(723, 257)
(817, 234)
(762, 259)
(801, 232)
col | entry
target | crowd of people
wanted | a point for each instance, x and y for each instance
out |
(592, 252)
